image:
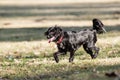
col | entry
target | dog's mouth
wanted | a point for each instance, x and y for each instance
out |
(51, 39)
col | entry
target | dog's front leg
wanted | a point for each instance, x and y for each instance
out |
(56, 56)
(71, 56)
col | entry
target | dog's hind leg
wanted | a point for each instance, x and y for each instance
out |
(88, 50)
(96, 49)
(91, 49)
(93, 42)
(71, 56)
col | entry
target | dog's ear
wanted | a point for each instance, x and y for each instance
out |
(57, 28)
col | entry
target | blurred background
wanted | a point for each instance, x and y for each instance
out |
(40, 13)
(26, 16)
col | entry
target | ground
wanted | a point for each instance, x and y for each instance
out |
(25, 53)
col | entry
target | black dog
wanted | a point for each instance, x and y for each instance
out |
(98, 26)
(70, 41)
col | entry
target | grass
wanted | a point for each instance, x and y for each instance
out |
(33, 60)
(82, 69)
(25, 54)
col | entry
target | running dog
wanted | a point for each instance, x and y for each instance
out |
(70, 41)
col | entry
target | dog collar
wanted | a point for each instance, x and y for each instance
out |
(60, 40)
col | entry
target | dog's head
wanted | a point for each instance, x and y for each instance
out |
(98, 26)
(53, 33)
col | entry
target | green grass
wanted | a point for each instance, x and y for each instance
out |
(28, 66)
(48, 70)
(20, 62)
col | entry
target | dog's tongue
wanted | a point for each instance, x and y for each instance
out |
(51, 39)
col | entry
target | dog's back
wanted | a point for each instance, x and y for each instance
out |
(81, 36)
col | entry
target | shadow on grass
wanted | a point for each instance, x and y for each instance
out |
(35, 34)
(72, 72)
(83, 72)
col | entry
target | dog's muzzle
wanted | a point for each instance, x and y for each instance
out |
(51, 39)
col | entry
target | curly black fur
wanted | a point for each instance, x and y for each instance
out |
(70, 41)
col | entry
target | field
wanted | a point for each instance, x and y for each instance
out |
(25, 53)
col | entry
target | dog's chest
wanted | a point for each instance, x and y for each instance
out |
(67, 46)
(62, 46)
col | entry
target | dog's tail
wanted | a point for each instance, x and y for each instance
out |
(98, 26)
